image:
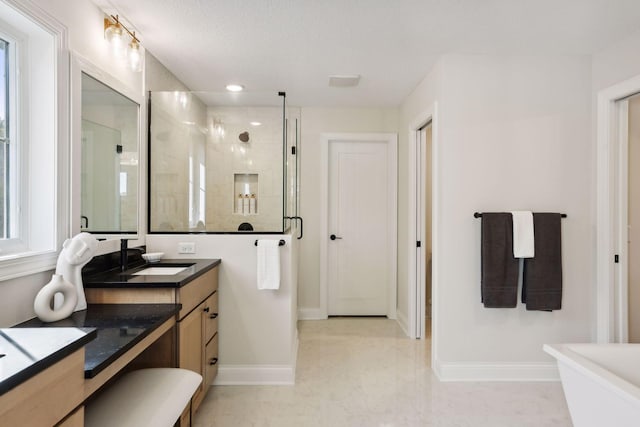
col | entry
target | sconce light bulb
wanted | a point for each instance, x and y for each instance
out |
(135, 57)
(112, 29)
(118, 45)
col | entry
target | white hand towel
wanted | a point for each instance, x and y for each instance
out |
(268, 264)
(523, 241)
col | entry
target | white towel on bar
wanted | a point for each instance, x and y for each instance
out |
(523, 241)
(268, 264)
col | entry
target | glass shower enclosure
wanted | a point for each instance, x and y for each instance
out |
(222, 162)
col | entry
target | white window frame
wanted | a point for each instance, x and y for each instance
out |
(32, 256)
(17, 130)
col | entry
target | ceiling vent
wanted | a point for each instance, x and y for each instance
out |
(344, 80)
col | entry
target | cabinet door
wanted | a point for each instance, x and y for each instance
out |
(210, 317)
(211, 361)
(191, 346)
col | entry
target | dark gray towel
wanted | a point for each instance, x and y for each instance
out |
(499, 284)
(542, 277)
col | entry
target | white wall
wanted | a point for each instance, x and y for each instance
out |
(514, 133)
(616, 63)
(84, 22)
(257, 328)
(314, 122)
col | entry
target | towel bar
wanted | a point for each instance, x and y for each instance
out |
(479, 215)
(280, 243)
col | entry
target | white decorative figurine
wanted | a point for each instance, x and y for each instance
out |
(57, 286)
(76, 252)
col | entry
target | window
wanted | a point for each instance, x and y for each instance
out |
(4, 141)
(33, 165)
(9, 166)
(12, 238)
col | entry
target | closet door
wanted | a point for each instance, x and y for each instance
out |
(359, 219)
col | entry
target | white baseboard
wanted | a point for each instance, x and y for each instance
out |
(311, 314)
(403, 321)
(256, 375)
(259, 374)
(294, 355)
(496, 372)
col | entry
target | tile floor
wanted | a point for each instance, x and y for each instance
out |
(366, 372)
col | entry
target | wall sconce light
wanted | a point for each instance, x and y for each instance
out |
(117, 35)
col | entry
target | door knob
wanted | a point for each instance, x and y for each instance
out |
(334, 237)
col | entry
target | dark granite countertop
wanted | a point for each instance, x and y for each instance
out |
(128, 279)
(25, 352)
(119, 328)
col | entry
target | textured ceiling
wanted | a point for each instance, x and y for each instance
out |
(294, 45)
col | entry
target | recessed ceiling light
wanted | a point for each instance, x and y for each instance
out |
(255, 123)
(235, 88)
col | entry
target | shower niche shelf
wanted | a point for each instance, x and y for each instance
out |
(245, 193)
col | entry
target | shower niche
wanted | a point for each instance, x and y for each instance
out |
(246, 193)
(218, 161)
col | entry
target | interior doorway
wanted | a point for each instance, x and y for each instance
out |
(424, 249)
(613, 297)
(633, 219)
(422, 256)
(627, 276)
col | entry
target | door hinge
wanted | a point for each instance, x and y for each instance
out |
(616, 258)
(418, 244)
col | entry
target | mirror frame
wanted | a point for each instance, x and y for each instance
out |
(80, 65)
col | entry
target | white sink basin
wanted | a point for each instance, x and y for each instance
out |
(160, 271)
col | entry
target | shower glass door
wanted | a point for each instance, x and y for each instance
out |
(221, 162)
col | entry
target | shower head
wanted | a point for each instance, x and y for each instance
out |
(244, 136)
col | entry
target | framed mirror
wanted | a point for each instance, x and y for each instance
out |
(106, 127)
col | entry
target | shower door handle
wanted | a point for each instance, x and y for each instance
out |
(334, 237)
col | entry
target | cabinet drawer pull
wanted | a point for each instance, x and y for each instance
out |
(213, 316)
(206, 309)
(213, 361)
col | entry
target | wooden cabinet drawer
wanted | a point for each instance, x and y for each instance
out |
(211, 317)
(194, 292)
(76, 419)
(211, 361)
(46, 398)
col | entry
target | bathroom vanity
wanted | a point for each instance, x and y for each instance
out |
(51, 369)
(193, 283)
(159, 315)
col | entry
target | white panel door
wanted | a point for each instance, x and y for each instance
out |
(359, 256)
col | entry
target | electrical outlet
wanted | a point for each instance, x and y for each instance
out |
(187, 248)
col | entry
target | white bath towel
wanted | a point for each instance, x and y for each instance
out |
(523, 240)
(268, 264)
